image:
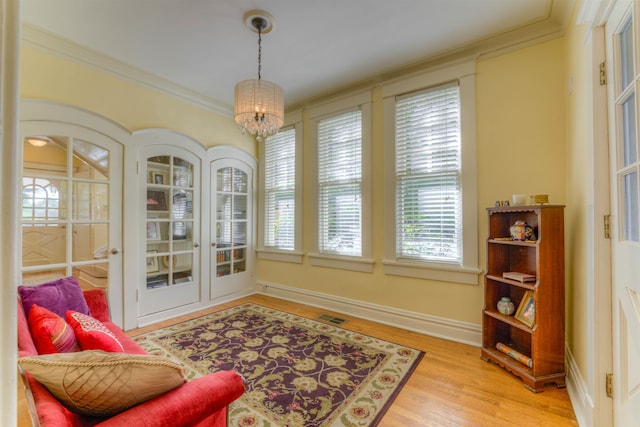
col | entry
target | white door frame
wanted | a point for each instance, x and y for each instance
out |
(588, 393)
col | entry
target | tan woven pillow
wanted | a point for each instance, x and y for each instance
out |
(102, 384)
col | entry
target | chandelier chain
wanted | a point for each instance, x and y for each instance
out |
(259, 51)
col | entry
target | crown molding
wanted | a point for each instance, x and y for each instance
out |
(61, 47)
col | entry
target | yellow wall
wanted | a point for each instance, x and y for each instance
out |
(46, 76)
(521, 149)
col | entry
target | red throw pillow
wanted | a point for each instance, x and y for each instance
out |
(50, 332)
(92, 334)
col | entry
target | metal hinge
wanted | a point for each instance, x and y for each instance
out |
(137, 168)
(603, 73)
(137, 295)
(609, 385)
(607, 226)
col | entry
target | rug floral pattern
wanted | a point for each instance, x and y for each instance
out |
(299, 372)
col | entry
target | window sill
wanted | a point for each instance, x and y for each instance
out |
(282, 256)
(342, 262)
(433, 271)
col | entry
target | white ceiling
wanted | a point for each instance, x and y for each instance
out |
(316, 48)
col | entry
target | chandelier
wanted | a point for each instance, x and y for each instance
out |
(259, 104)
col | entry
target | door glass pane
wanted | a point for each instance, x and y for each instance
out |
(90, 201)
(626, 55)
(42, 276)
(223, 234)
(224, 179)
(629, 137)
(157, 203)
(43, 244)
(239, 233)
(223, 207)
(90, 161)
(182, 173)
(43, 199)
(239, 181)
(630, 210)
(46, 155)
(182, 206)
(240, 206)
(92, 276)
(90, 241)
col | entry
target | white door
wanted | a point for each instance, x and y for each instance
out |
(624, 80)
(231, 227)
(170, 276)
(71, 206)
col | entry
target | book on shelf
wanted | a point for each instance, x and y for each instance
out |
(519, 277)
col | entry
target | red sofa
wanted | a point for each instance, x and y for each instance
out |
(200, 402)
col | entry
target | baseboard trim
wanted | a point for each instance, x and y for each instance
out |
(453, 330)
(191, 308)
(578, 391)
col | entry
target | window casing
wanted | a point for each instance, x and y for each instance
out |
(342, 191)
(430, 164)
(280, 230)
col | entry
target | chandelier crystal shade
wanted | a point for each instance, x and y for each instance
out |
(259, 104)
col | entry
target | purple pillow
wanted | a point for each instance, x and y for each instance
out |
(58, 296)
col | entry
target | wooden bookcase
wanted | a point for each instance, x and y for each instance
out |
(543, 342)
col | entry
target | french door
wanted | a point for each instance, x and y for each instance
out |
(231, 255)
(622, 33)
(170, 229)
(71, 206)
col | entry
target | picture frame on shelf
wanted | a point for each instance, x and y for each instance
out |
(152, 262)
(157, 178)
(153, 230)
(526, 310)
(156, 200)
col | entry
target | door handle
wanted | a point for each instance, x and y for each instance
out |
(213, 244)
(196, 245)
(115, 251)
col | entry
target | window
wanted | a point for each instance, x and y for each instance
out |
(339, 181)
(279, 190)
(430, 190)
(280, 197)
(428, 169)
(341, 133)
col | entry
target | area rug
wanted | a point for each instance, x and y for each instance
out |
(299, 371)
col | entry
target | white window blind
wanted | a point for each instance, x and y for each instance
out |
(279, 188)
(428, 175)
(339, 184)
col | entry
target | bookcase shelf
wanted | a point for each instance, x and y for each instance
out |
(543, 341)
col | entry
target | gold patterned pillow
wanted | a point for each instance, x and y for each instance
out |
(98, 383)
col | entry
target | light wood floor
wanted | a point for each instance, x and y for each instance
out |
(452, 386)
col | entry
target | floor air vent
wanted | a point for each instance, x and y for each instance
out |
(331, 319)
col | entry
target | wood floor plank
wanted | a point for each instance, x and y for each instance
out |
(451, 386)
